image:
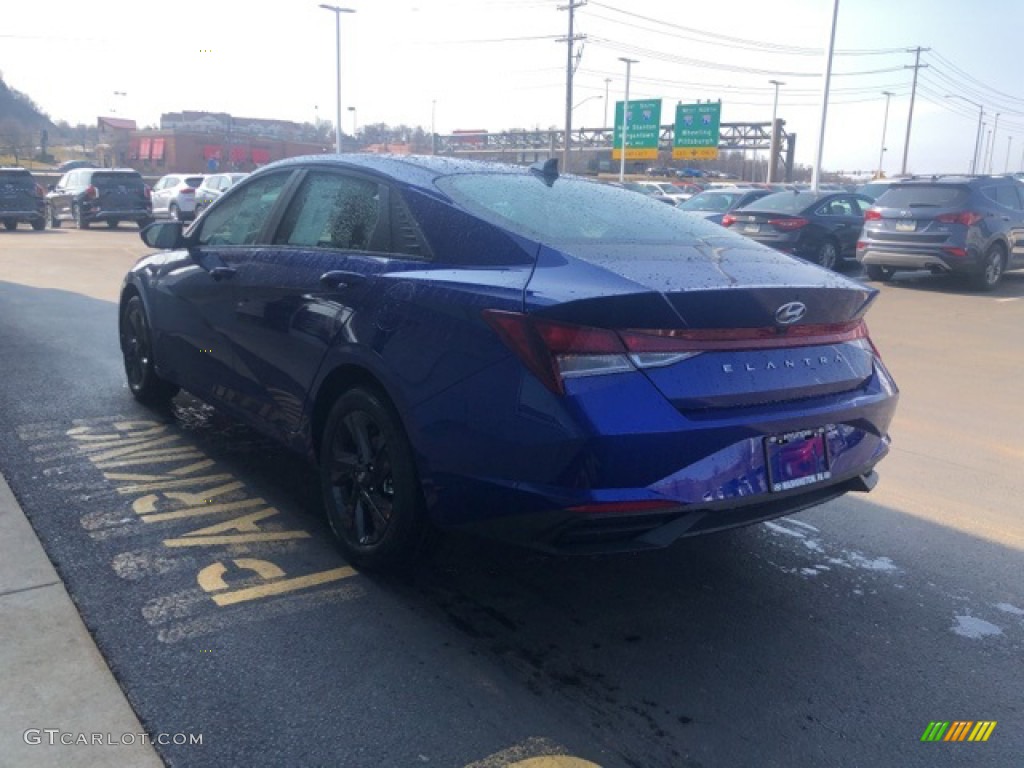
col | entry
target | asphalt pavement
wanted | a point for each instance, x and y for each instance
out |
(196, 556)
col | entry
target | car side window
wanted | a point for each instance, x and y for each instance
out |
(862, 205)
(1006, 196)
(239, 219)
(333, 210)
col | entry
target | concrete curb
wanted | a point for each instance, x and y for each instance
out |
(60, 706)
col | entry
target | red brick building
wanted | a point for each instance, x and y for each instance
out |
(206, 142)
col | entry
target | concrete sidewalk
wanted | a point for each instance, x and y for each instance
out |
(53, 676)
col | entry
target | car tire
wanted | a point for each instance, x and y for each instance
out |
(827, 255)
(10, 224)
(38, 224)
(112, 223)
(174, 212)
(878, 272)
(370, 484)
(80, 221)
(137, 351)
(52, 216)
(991, 272)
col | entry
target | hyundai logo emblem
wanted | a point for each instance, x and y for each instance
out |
(790, 313)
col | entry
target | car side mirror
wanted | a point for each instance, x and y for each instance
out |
(164, 235)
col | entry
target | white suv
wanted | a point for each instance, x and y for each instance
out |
(175, 196)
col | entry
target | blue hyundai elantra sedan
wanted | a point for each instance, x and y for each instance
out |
(502, 349)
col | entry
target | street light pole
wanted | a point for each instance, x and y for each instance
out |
(625, 121)
(992, 145)
(607, 81)
(885, 121)
(773, 144)
(816, 173)
(1009, 144)
(354, 125)
(337, 53)
(977, 138)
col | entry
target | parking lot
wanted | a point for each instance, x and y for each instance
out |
(833, 637)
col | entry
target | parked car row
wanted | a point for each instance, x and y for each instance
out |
(86, 195)
(971, 226)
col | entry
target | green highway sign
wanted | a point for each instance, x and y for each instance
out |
(697, 131)
(643, 132)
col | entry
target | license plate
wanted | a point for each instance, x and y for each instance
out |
(906, 226)
(752, 228)
(795, 459)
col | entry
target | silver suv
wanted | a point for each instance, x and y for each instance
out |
(174, 196)
(213, 187)
(966, 225)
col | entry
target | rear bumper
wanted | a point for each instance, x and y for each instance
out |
(586, 474)
(583, 534)
(24, 214)
(930, 258)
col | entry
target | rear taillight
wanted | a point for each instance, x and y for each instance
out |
(873, 215)
(967, 218)
(91, 193)
(728, 220)
(555, 351)
(788, 225)
(954, 251)
(862, 245)
(188, 191)
(40, 191)
(148, 192)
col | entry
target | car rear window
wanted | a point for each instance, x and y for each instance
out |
(711, 201)
(113, 179)
(18, 179)
(923, 196)
(573, 210)
(193, 181)
(784, 202)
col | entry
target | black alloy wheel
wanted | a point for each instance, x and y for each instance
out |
(370, 485)
(137, 349)
(828, 254)
(991, 272)
(112, 223)
(38, 224)
(10, 224)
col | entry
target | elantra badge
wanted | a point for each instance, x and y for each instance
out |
(790, 313)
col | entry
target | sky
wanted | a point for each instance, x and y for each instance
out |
(498, 65)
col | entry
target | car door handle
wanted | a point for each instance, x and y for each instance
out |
(221, 273)
(341, 279)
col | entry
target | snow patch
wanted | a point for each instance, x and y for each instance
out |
(782, 529)
(1007, 608)
(858, 560)
(975, 628)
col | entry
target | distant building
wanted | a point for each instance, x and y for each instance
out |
(207, 142)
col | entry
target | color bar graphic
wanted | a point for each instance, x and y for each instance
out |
(958, 730)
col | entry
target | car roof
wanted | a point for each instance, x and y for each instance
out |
(416, 170)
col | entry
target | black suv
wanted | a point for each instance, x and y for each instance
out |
(21, 199)
(87, 195)
(967, 225)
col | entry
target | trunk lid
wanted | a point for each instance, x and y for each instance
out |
(763, 327)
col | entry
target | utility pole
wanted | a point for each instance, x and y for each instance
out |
(625, 121)
(1009, 144)
(881, 154)
(569, 41)
(913, 92)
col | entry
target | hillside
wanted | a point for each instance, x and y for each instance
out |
(16, 106)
